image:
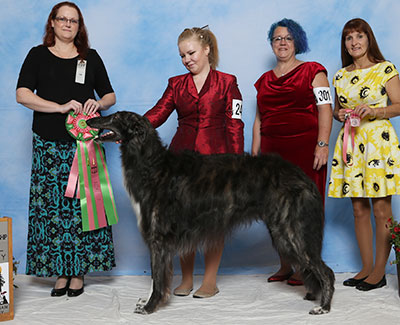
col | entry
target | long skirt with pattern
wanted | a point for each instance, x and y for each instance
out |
(56, 243)
(373, 168)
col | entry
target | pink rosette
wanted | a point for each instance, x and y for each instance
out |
(89, 178)
(77, 127)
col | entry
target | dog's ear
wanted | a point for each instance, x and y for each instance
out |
(141, 134)
(138, 130)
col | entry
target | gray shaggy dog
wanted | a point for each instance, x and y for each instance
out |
(187, 200)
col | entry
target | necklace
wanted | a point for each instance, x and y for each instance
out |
(286, 70)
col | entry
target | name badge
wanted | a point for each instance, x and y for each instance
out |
(237, 109)
(80, 72)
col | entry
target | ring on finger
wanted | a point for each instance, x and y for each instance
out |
(346, 116)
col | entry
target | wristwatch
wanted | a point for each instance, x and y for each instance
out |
(322, 144)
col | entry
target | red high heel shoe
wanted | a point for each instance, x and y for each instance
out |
(294, 282)
(280, 278)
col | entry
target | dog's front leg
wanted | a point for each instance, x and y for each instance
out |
(161, 270)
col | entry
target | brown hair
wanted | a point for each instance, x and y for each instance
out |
(360, 25)
(81, 40)
(206, 38)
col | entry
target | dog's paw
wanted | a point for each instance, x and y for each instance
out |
(309, 296)
(139, 309)
(318, 310)
(141, 302)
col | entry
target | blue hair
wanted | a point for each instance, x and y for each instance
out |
(295, 30)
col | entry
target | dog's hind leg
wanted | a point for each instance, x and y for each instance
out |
(318, 278)
(326, 279)
(161, 270)
(312, 285)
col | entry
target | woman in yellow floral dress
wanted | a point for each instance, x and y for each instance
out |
(369, 168)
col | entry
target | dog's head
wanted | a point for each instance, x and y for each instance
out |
(122, 127)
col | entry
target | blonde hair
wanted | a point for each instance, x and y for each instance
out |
(206, 38)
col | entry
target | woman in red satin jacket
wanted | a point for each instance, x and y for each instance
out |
(209, 108)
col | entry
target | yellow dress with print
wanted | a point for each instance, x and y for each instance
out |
(374, 161)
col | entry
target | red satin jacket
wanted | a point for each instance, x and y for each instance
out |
(206, 121)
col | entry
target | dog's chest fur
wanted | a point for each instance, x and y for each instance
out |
(134, 202)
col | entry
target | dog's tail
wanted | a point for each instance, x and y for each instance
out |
(319, 279)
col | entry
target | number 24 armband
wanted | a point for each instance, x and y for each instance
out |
(237, 105)
(322, 95)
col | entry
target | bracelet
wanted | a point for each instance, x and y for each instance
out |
(374, 111)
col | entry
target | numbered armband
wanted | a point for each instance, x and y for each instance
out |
(237, 109)
(322, 95)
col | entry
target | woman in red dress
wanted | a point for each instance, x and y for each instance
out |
(294, 114)
(209, 107)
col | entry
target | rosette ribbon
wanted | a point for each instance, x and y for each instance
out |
(89, 178)
(352, 120)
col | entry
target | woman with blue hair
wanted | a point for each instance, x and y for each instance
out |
(294, 114)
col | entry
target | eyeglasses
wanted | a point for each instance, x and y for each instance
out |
(278, 39)
(63, 20)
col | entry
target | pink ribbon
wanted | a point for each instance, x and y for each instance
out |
(89, 177)
(73, 178)
(348, 127)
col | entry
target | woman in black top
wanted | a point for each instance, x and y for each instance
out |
(58, 77)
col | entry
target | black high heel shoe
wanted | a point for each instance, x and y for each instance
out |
(365, 286)
(61, 291)
(76, 292)
(353, 282)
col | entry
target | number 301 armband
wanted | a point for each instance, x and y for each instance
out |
(322, 95)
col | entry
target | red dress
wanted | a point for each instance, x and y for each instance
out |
(206, 122)
(289, 117)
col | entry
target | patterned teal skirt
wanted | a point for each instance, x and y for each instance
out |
(56, 243)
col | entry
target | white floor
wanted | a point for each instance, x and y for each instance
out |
(243, 299)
